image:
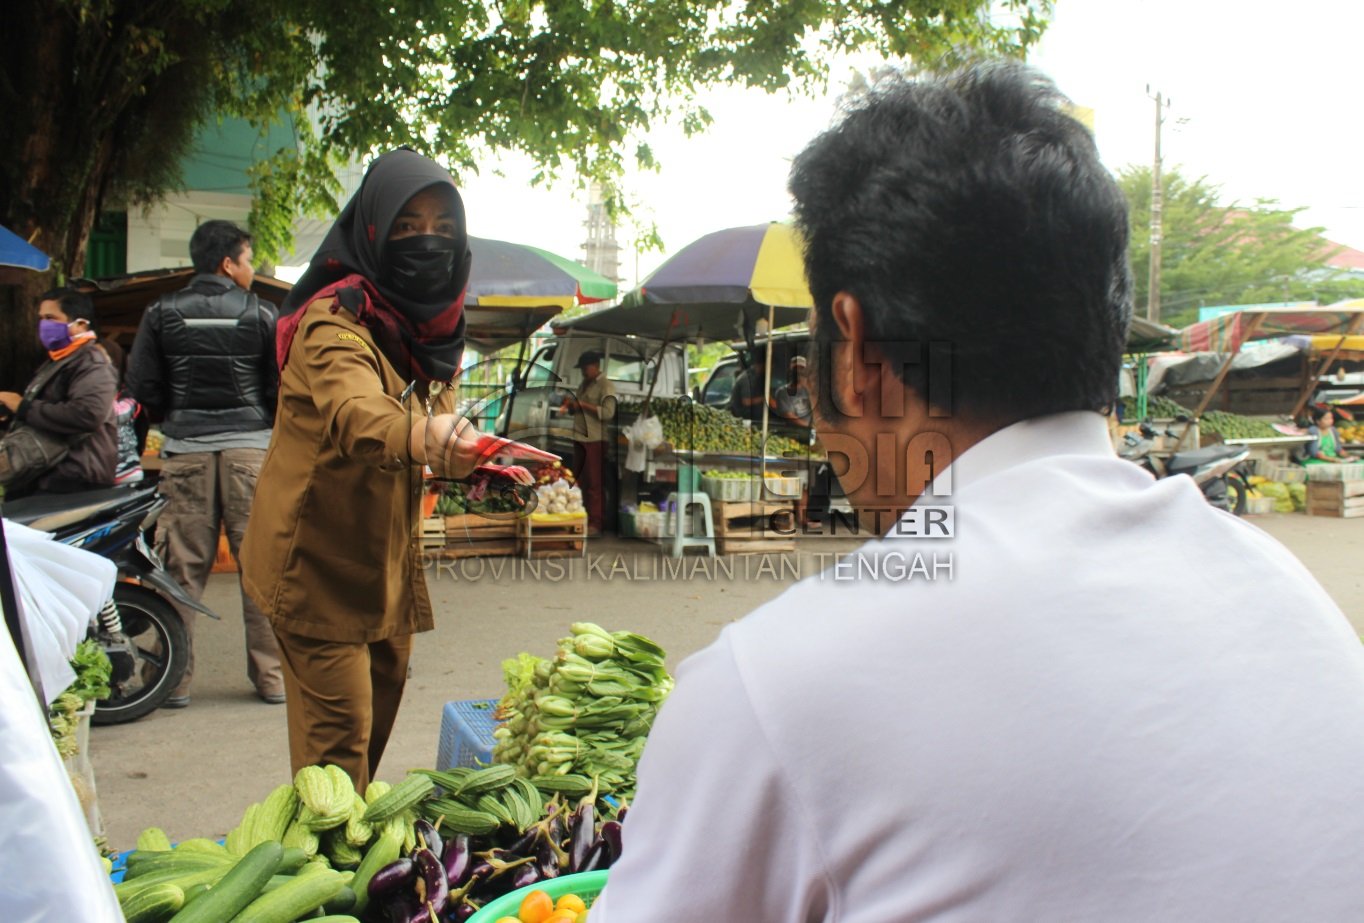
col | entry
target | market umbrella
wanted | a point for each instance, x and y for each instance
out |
(17, 253)
(719, 286)
(716, 287)
(514, 289)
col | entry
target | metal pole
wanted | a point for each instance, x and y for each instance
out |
(1157, 206)
(767, 394)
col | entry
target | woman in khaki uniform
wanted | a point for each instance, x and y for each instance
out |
(369, 342)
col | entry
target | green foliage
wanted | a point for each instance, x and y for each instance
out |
(572, 83)
(1214, 254)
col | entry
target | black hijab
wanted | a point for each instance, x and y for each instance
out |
(424, 337)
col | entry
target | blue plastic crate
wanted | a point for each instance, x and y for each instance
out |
(466, 733)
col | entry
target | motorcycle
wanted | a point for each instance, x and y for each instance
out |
(138, 627)
(1216, 469)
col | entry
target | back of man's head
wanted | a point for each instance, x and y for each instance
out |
(971, 210)
(214, 241)
(75, 305)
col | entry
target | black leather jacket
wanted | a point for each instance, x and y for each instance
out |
(204, 360)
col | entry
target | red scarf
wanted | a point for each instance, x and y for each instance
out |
(428, 351)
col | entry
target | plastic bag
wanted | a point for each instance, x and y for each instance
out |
(649, 431)
(42, 827)
(60, 590)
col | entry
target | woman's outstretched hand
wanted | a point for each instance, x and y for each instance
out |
(448, 444)
(452, 447)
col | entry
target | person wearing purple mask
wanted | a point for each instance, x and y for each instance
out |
(71, 396)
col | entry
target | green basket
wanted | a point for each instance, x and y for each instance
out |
(586, 885)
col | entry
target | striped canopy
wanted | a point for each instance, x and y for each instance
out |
(1228, 332)
(714, 287)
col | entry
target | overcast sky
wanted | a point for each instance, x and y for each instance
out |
(1267, 92)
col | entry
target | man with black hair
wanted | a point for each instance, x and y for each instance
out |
(1052, 687)
(204, 361)
(593, 406)
(71, 396)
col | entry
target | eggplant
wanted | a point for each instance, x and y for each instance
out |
(458, 860)
(405, 909)
(392, 877)
(524, 845)
(611, 833)
(596, 857)
(525, 875)
(581, 834)
(546, 861)
(427, 832)
(620, 815)
(433, 875)
(465, 910)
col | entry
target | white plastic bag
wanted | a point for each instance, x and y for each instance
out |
(52, 871)
(60, 590)
(649, 431)
(644, 435)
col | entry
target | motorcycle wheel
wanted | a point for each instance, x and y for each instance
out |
(162, 654)
(1237, 492)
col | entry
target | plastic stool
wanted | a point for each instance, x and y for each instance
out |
(682, 541)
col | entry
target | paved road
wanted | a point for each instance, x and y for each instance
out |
(193, 771)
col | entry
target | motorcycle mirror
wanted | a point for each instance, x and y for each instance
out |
(1147, 430)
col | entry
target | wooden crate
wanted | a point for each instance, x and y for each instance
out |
(473, 536)
(745, 527)
(433, 533)
(551, 539)
(1338, 499)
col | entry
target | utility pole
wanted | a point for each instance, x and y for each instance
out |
(1157, 204)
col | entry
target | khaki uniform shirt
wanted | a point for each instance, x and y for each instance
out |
(331, 549)
(589, 427)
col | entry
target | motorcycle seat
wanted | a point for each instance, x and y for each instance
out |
(1187, 461)
(50, 512)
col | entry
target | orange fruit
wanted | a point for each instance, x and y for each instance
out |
(536, 907)
(508, 920)
(570, 902)
(561, 916)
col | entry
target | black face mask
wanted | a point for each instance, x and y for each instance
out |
(420, 267)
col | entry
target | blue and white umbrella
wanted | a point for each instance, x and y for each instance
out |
(20, 254)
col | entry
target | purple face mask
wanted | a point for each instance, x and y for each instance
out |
(54, 334)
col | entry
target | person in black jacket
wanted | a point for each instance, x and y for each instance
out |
(204, 361)
(71, 396)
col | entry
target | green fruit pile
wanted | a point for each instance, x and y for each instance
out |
(1157, 408)
(1235, 426)
(689, 426)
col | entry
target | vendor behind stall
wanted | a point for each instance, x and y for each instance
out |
(1325, 447)
(593, 405)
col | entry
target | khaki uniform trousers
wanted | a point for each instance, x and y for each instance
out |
(209, 492)
(343, 699)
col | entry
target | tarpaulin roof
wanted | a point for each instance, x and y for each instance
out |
(1146, 336)
(20, 254)
(1225, 334)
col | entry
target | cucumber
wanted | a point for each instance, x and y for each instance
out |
(384, 850)
(344, 902)
(153, 903)
(335, 918)
(153, 862)
(292, 900)
(292, 860)
(238, 887)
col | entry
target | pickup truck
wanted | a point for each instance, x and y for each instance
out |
(632, 364)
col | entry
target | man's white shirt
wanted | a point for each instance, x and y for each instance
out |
(1115, 704)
